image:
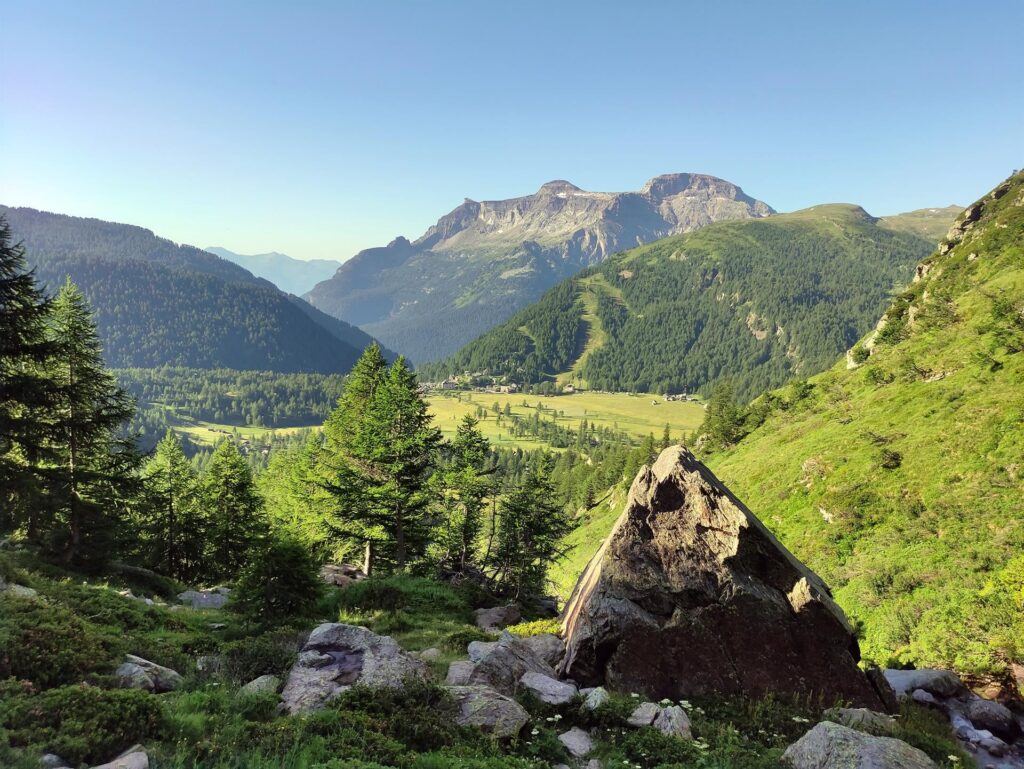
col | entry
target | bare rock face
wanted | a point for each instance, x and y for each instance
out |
(691, 594)
(831, 746)
(338, 656)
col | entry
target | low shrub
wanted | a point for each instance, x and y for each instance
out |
(47, 644)
(458, 640)
(79, 723)
(271, 653)
(280, 583)
(536, 627)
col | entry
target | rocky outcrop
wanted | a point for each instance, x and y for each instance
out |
(133, 758)
(215, 598)
(341, 574)
(691, 594)
(488, 710)
(504, 665)
(337, 657)
(831, 746)
(494, 619)
(138, 673)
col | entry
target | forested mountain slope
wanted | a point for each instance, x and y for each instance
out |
(756, 302)
(294, 276)
(900, 480)
(485, 260)
(157, 303)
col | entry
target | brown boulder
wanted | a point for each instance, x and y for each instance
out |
(690, 594)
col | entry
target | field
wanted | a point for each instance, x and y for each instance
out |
(638, 415)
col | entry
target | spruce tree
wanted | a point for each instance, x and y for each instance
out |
(174, 527)
(26, 391)
(234, 512)
(92, 479)
(723, 419)
(466, 484)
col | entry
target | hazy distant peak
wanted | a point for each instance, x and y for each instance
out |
(558, 185)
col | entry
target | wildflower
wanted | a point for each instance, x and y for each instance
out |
(535, 732)
(634, 695)
(665, 701)
(954, 759)
(801, 720)
(557, 717)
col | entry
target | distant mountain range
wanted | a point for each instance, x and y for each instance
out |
(157, 303)
(485, 260)
(754, 302)
(293, 276)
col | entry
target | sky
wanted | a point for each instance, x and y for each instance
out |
(320, 128)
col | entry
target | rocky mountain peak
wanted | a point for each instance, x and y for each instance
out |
(558, 185)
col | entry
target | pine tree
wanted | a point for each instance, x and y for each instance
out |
(26, 392)
(92, 478)
(723, 419)
(234, 509)
(531, 527)
(345, 424)
(466, 484)
(174, 527)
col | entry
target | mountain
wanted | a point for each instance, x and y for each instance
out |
(755, 301)
(293, 276)
(485, 260)
(157, 303)
(929, 223)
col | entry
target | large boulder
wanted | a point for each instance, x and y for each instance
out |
(831, 746)
(337, 657)
(504, 665)
(690, 594)
(547, 646)
(496, 618)
(941, 683)
(341, 574)
(547, 689)
(459, 672)
(994, 717)
(488, 710)
(863, 720)
(138, 673)
(133, 758)
(577, 742)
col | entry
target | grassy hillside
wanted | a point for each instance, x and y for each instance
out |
(757, 302)
(157, 303)
(929, 223)
(899, 478)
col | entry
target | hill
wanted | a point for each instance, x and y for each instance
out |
(756, 302)
(485, 260)
(929, 223)
(158, 303)
(293, 276)
(896, 474)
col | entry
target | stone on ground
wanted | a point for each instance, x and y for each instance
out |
(337, 657)
(261, 685)
(548, 689)
(862, 719)
(477, 650)
(133, 758)
(215, 598)
(690, 594)
(577, 742)
(832, 746)
(341, 574)
(459, 672)
(644, 714)
(994, 717)
(547, 646)
(138, 673)
(674, 722)
(52, 761)
(489, 710)
(497, 618)
(595, 698)
(504, 665)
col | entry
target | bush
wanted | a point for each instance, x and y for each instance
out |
(891, 459)
(80, 723)
(460, 639)
(48, 645)
(860, 353)
(401, 591)
(269, 654)
(536, 627)
(280, 583)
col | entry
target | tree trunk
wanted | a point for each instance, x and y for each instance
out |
(368, 558)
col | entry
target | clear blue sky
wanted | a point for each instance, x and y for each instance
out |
(318, 129)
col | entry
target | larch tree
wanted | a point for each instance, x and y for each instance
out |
(236, 524)
(465, 484)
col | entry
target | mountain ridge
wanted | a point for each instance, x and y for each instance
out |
(484, 260)
(291, 275)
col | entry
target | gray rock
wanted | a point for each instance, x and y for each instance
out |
(996, 718)
(863, 720)
(644, 714)
(21, 591)
(921, 697)
(941, 683)
(577, 742)
(674, 722)
(52, 761)
(209, 664)
(459, 672)
(594, 763)
(133, 758)
(548, 689)
(832, 746)
(429, 655)
(139, 673)
(495, 619)
(489, 710)
(341, 574)
(477, 650)
(690, 594)
(547, 646)
(216, 598)
(595, 698)
(504, 665)
(994, 745)
(338, 656)
(262, 685)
